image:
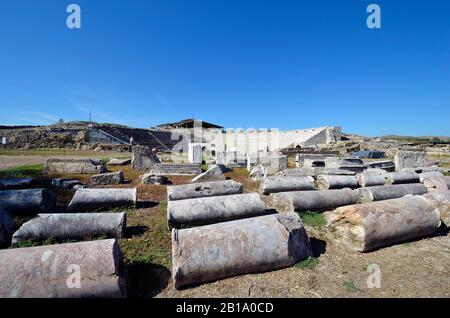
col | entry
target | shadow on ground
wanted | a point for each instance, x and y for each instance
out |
(318, 246)
(146, 204)
(132, 231)
(146, 279)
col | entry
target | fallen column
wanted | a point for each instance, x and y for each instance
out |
(325, 182)
(86, 269)
(31, 201)
(6, 226)
(91, 199)
(441, 200)
(17, 183)
(317, 201)
(301, 172)
(447, 180)
(203, 189)
(429, 174)
(402, 177)
(371, 179)
(434, 183)
(238, 247)
(200, 211)
(379, 193)
(71, 226)
(368, 226)
(284, 184)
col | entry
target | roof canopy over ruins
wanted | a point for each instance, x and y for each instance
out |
(188, 123)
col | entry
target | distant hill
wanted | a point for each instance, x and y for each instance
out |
(414, 139)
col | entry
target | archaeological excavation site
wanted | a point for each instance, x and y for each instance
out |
(190, 209)
(224, 156)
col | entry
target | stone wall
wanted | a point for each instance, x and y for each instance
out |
(252, 141)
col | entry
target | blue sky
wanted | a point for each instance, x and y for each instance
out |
(239, 63)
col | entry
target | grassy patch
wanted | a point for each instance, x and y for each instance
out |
(350, 286)
(163, 206)
(22, 171)
(31, 243)
(104, 161)
(147, 251)
(313, 219)
(309, 263)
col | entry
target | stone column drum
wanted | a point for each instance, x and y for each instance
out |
(72, 226)
(368, 226)
(32, 201)
(252, 245)
(203, 189)
(315, 201)
(92, 199)
(200, 211)
(51, 271)
(284, 184)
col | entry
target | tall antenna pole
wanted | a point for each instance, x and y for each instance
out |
(90, 118)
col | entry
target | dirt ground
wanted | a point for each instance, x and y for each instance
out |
(415, 269)
(419, 268)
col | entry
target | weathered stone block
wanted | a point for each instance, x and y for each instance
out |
(258, 173)
(119, 162)
(272, 162)
(409, 159)
(347, 163)
(174, 169)
(231, 159)
(214, 173)
(81, 166)
(143, 158)
(152, 179)
(107, 178)
(387, 165)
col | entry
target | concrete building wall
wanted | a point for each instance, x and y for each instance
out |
(252, 141)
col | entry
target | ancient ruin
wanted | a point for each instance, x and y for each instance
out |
(241, 214)
(271, 242)
(102, 275)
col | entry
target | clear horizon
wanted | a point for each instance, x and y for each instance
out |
(240, 64)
